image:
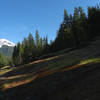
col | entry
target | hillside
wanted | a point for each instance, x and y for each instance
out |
(6, 50)
(67, 76)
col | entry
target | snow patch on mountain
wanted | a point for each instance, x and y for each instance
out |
(6, 42)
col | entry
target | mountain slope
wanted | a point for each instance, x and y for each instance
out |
(71, 76)
(6, 50)
(6, 47)
(6, 42)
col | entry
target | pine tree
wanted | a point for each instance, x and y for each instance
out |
(83, 26)
(17, 54)
(76, 27)
(19, 51)
(93, 21)
(46, 45)
(31, 47)
(14, 57)
(70, 21)
(26, 51)
(65, 36)
(66, 18)
(37, 38)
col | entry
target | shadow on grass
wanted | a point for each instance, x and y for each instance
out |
(17, 80)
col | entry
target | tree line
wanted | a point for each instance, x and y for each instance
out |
(78, 29)
(75, 31)
(30, 49)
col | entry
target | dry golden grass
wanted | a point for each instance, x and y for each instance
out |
(2, 72)
(15, 84)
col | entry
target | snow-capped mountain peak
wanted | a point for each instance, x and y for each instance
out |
(6, 42)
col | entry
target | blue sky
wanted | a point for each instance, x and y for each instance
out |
(19, 17)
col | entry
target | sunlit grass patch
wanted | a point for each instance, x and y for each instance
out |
(17, 83)
(5, 67)
(89, 61)
(42, 60)
(82, 63)
(4, 71)
(14, 81)
(71, 68)
(46, 73)
(15, 77)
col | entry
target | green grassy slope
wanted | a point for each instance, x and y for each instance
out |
(67, 76)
